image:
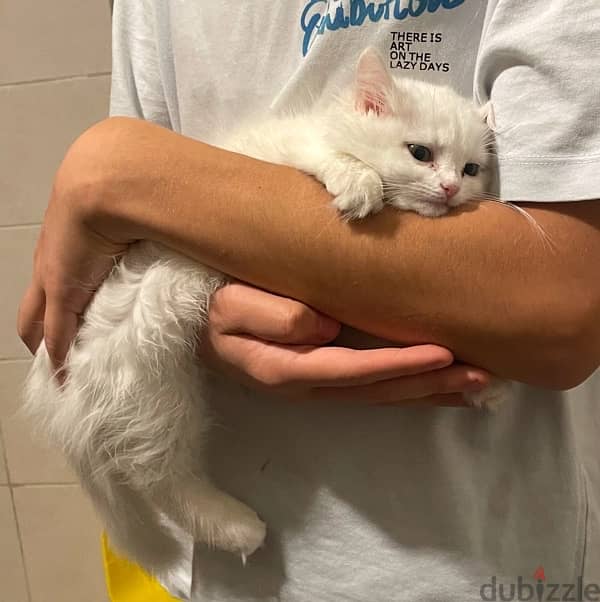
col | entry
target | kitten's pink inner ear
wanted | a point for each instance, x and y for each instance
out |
(373, 84)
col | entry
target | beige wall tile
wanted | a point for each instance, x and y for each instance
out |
(38, 123)
(29, 458)
(12, 376)
(12, 582)
(61, 544)
(3, 474)
(53, 39)
(16, 256)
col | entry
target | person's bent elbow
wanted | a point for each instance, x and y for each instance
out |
(576, 351)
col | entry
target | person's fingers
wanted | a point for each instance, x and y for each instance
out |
(242, 309)
(60, 328)
(337, 366)
(453, 379)
(30, 317)
(275, 365)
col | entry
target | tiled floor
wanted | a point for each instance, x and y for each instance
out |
(49, 535)
(58, 522)
(14, 583)
(55, 85)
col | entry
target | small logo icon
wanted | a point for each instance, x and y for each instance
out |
(539, 574)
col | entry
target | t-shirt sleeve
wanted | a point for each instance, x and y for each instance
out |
(136, 86)
(538, 64)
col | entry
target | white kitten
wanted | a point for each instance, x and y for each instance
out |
(132, 413)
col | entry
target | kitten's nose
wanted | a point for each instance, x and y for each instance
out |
(450, 190)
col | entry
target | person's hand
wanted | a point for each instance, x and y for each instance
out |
(277, 344)
(71, 260)
(69, 264)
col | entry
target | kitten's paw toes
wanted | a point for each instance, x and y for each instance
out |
(360, 197)
(491, 397)
(352, 208)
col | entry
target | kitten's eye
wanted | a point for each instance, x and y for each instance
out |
(420, 153)
(471, 169)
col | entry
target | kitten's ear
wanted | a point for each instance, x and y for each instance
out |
(373, 84)
(487, 114)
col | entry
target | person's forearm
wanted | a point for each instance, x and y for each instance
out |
(481, 282)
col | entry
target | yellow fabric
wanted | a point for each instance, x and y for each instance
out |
(127, 582)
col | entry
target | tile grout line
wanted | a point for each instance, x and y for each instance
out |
(24, 225)
(18, 527)
(62, 78)
(45, 484)
(4, 456)
(16, 520)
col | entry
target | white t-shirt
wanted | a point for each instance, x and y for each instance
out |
(394, 504)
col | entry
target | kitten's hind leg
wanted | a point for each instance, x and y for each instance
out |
(492, 397)
(133, 524)
(211, 515)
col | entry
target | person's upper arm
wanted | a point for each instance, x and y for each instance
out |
(138, 73)
(537, 63)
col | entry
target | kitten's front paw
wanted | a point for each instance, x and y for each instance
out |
(492, 396)
(357, 195)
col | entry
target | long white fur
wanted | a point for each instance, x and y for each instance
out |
(132, 413)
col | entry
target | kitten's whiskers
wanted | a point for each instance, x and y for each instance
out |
(536, 226)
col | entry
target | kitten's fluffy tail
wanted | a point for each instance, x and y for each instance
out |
(141, 481)
(134, 525)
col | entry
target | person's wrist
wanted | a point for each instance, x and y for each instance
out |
(103, 176)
